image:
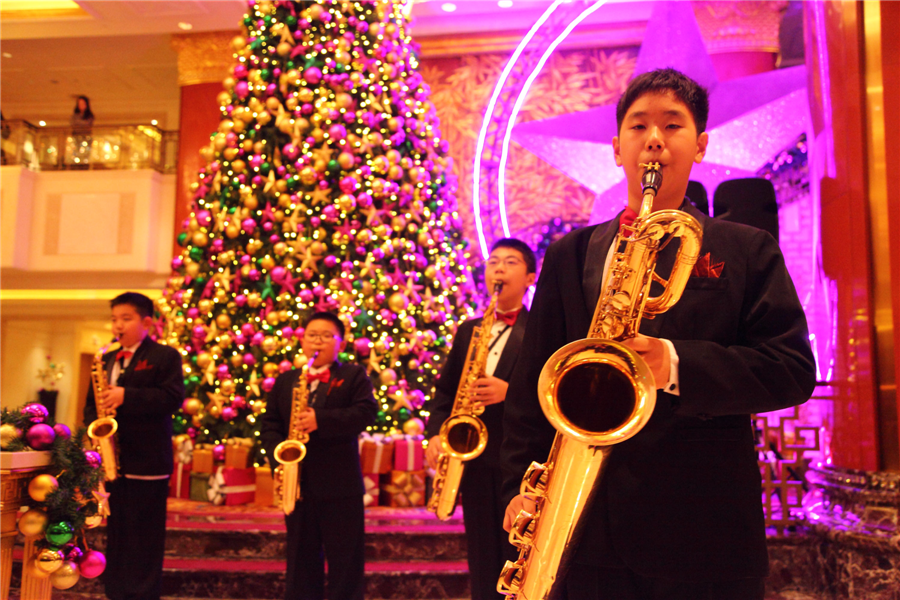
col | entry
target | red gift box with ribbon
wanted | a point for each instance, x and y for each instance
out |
(376, 453)
(180, 481)
(370, 481)
(230, 486)
(409, 453)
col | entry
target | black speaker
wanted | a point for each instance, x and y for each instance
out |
(749, 201)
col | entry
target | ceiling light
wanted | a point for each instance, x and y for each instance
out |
(185, 26)
(42, 123)
(505, 3)
(7, 55)
(448, 7)
(154, 122)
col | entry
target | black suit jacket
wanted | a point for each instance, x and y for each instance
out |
(344, 407)
(681, 499)
(154, 390)
(447, 384)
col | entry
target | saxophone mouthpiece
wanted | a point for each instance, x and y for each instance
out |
(651, 179)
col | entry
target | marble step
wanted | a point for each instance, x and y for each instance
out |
(265, 580)
(247, 541)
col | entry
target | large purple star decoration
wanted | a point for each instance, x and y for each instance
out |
(750, 119)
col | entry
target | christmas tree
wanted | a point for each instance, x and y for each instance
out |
(326, 187)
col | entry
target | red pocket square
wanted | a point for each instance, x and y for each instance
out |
(335, 383)
(705, 267)
(142, 366)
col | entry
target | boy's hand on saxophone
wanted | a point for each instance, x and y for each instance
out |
(655, 353)
(308, 420)
(517, 504)
(489, 390)
(112, 398)
(433, 451)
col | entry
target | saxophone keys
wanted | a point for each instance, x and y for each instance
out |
(522, 530)
(535, 481)
(510, 578)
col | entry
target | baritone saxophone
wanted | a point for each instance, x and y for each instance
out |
(463, 435)
(292, 451)
(618, 381)
(102, 430)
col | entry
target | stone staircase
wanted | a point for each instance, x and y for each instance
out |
(240, 555)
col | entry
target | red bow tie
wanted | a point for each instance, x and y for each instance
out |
(123, 354)
(324, 376)
(509, 317)
(627, 217)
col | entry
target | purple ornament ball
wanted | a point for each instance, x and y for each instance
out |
(72, 552)
(92, 564)
(40, 436)
(62, 430)
(36, 412)
(93, 458)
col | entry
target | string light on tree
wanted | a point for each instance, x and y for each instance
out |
(327, 186)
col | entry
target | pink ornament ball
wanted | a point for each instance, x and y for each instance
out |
(228, 413)
(40, 436)
(36, 412)
(284, 366)
(62, 430)
(268, 384)
(219, 450)
(93, 458)
(92, 564)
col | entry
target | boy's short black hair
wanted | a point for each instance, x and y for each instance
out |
(331, 318)
(141, 303)
(685, 89)
(523, 249)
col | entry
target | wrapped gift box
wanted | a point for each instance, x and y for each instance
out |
(203, 459)
(180, 481)
(199, 486)
(404, 489)
(231, 486)
(370, 481)
(409, 454)
(237, 452)
(265, 487)
(376, 453)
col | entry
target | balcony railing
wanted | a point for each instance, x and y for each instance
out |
(101, 147)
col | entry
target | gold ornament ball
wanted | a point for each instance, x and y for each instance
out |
(269, 345)
(225, 340)
(258, 407)
(380, 346)
(232, 231)
(215, 411)
(388, 377)
(398, 302)
(32, 523)
(346, 202)
(192, 406)
(270, 369)
(300, 360)
(236, 360)
(273, 318)
(413, 365)
(254, 300)
(227, 387)
(280, 249)
(215, 350)
(93, 521)
(203, 359)
(197, 420)
(8, 433)
(66, 576)
(48, 561)
(238, 43)
(223, 321)
(267, 262)
(413, 426)
(193, 269)
(204, 305)
(42, 486)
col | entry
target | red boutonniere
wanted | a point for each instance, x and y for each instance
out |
(142, 366)
(705, 267)
(335, 383)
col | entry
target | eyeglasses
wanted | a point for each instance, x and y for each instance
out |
(319, 337)
(509, 261)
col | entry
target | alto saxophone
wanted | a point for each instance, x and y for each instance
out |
(102, 430)
(463, 435)
(291, 451)
(601, 368)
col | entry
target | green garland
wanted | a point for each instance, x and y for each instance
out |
(74, 501)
